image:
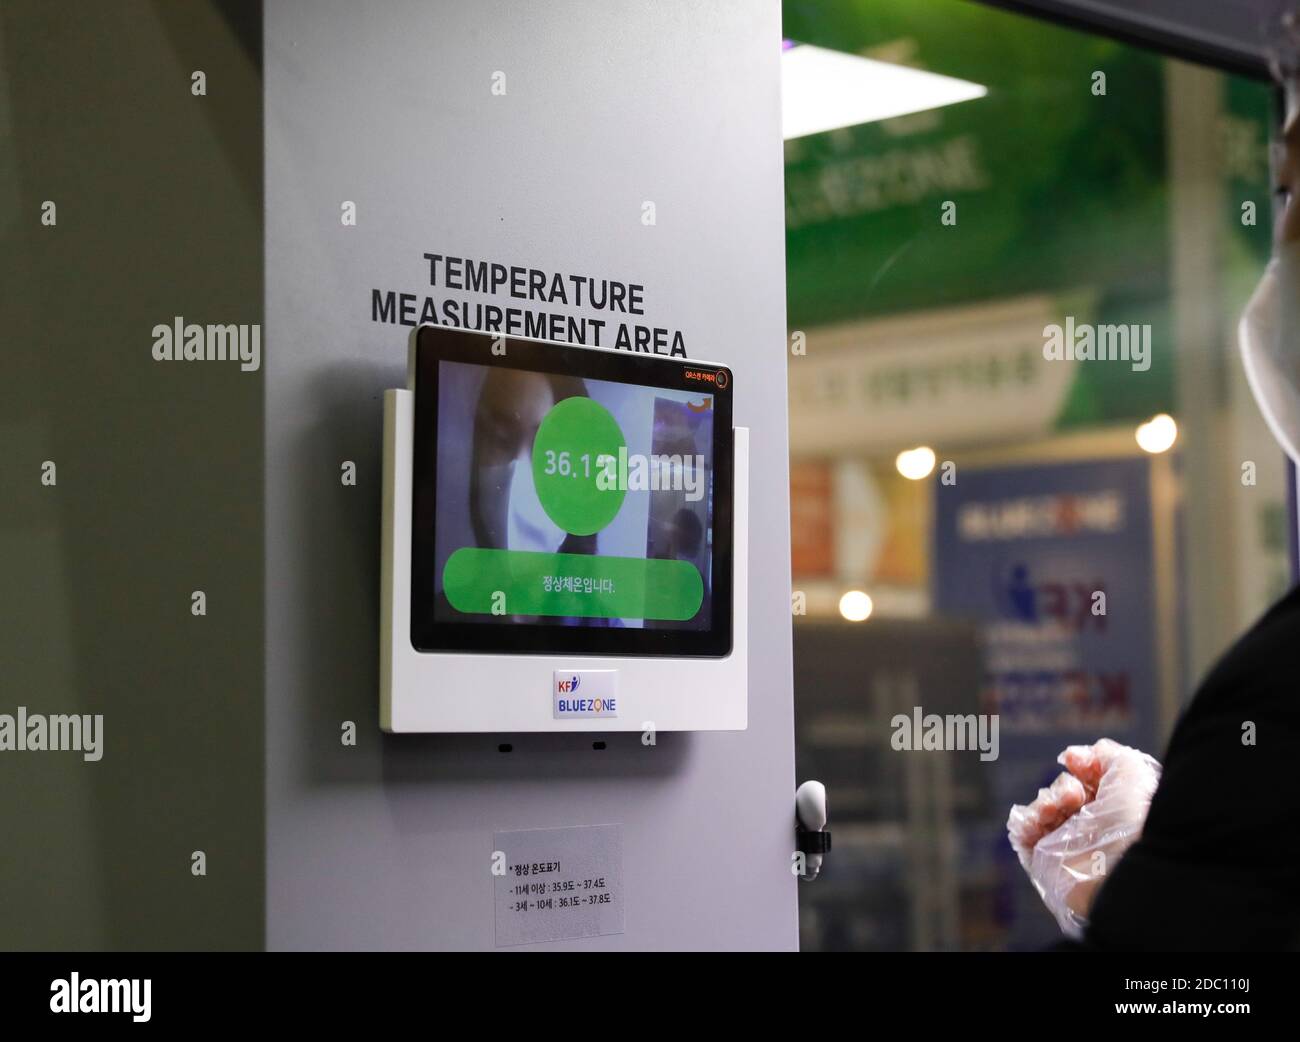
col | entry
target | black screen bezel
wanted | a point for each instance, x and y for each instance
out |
(434, 344)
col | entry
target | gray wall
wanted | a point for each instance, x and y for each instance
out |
(608, 104)
(159, 476)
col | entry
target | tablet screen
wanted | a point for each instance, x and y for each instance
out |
(569, 499)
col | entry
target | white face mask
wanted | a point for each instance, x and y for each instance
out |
(1270, 346)
(511, 512)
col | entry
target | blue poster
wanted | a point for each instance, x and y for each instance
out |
(1055, 563)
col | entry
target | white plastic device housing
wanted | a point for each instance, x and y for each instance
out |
(440, 692)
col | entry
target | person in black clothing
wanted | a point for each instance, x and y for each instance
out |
(1217, 866)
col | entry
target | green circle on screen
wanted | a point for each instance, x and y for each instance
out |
(575, 465)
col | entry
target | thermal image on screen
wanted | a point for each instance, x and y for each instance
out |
(571, 502)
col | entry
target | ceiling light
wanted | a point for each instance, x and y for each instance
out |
(856, 606)
(823, 89)
(1158, 434)
(915, 464)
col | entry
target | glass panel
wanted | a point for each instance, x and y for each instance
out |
(1018, 426)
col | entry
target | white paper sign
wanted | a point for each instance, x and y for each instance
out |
(559, 884)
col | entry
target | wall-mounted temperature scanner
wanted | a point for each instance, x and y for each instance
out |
(565, 541)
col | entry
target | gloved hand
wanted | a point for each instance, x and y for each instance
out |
(1072, 835)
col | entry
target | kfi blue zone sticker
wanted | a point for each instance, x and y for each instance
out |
(577, 693)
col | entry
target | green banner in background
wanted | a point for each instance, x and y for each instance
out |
(1057, 189)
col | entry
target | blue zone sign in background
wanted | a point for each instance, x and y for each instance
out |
(1027, 551)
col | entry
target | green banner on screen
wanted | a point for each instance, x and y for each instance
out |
(523, 582)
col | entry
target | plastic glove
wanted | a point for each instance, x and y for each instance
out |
(1070, 837)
